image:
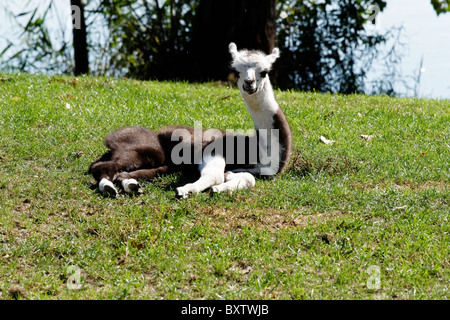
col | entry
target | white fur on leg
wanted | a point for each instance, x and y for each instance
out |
(211, 173)
(235, 181)
(130, 186)
(183, 192)
(106, 186)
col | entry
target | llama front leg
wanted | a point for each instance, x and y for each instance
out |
(235, 181)
(131, 186)
(103, 170)
(211, 173)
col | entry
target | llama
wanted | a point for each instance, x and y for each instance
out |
(137, 153)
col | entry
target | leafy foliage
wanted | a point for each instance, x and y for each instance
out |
(323, 42)
(441, 6)
(40, 50)
(148, 39)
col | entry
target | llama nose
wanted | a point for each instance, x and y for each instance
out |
(249, 81)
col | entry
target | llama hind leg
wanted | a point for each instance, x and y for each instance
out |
(131, 186)
(235, 181)
(103, 172)
(211, 173)
(106, 187)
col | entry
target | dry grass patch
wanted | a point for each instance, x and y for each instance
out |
(272, 219)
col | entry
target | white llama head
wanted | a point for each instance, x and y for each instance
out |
(252, 67)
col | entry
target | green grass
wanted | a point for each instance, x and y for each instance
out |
(312, 233)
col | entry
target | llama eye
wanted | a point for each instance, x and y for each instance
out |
(236, 74)
(264, 73)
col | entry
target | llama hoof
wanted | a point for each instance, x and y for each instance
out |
(184, 191)
(110, 192)
(107, 188)
(181, 193)
(131, 186)
(215, 190)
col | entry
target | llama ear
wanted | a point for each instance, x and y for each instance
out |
(233, 50)
(273, 56)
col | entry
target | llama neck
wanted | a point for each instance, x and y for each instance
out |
(267, 114)
(262, 106)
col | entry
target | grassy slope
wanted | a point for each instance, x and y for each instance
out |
(311, 234)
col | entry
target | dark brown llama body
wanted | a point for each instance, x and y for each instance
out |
(141, 154)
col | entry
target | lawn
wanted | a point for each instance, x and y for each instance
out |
(356, 219)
